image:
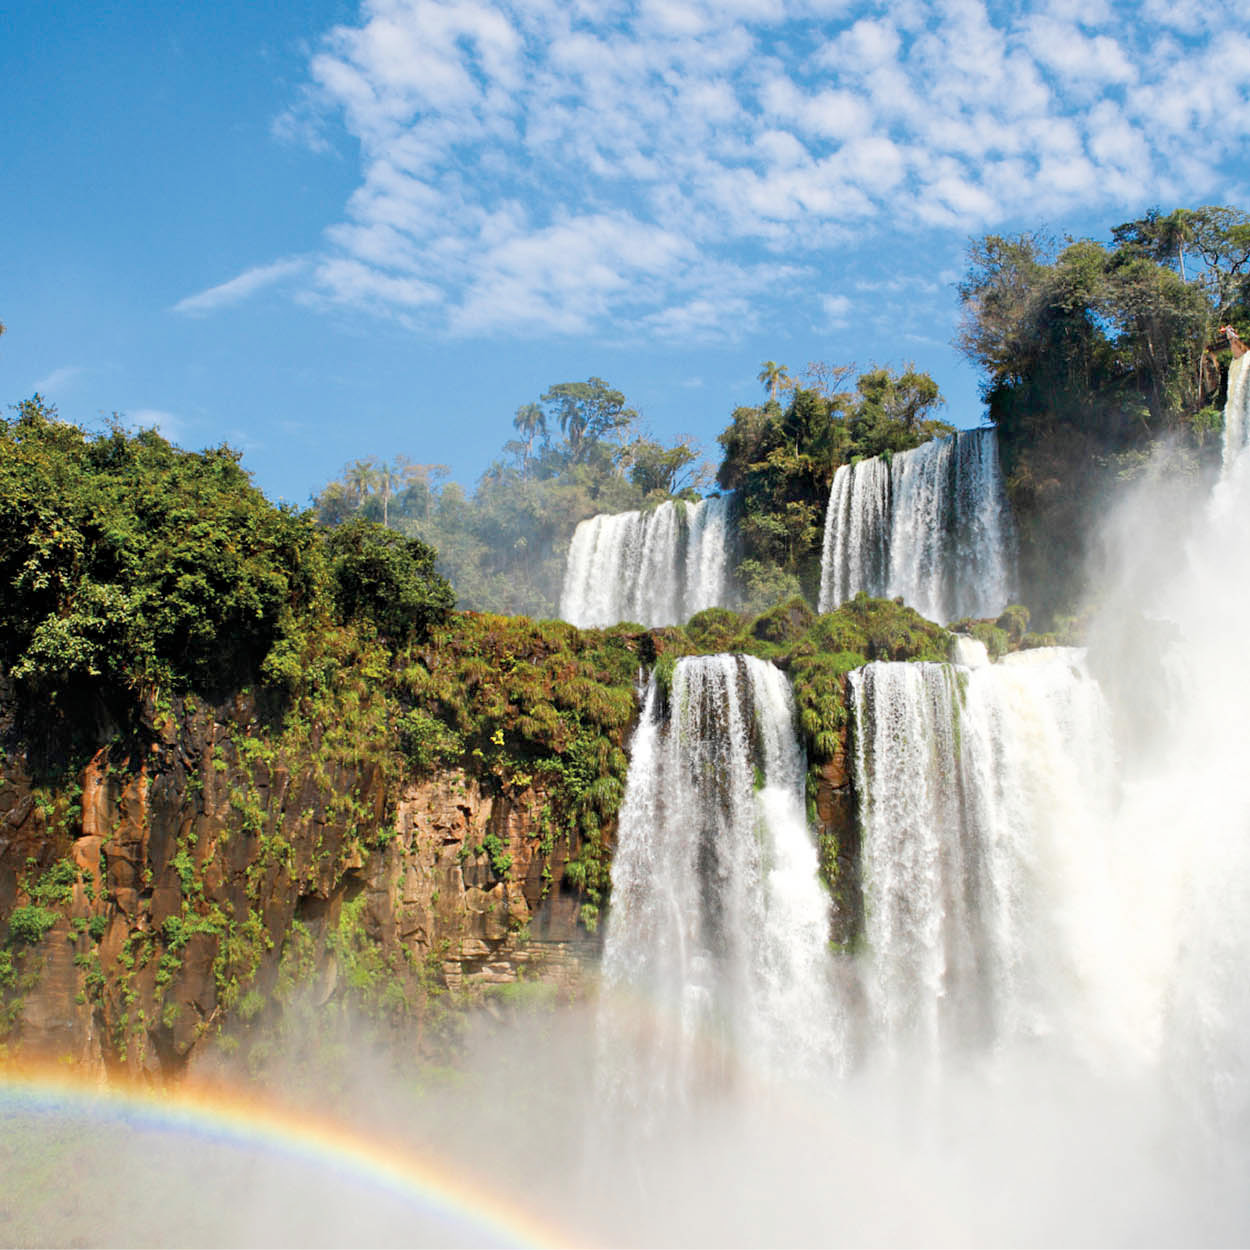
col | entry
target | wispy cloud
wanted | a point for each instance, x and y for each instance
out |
(58, 379)
(836, 310)
(608, 166)
(168, 424)
(239, 288)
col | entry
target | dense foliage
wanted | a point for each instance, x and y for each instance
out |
(126, 563)
(1091, 351)
(125, 560)
(781, 461)
(382, 576)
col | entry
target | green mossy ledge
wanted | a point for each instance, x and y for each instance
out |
(394, 834)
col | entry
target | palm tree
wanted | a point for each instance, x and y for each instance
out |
(774, 377)
(573, 421)
(388, 477)
(530, 421)
(361, 477)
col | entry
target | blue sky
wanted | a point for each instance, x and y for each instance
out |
(330, 230)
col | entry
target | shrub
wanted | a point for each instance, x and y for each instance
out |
(1014, 622)
(386, 578)
(29, 924)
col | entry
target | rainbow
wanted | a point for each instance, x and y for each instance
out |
(250, 1121)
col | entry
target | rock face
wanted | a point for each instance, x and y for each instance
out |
(201, 857)
(838, 830)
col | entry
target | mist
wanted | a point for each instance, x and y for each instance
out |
(1021, 1148)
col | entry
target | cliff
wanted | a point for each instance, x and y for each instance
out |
(199, 881)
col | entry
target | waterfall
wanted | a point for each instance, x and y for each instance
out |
(1047, 992)
(719, 926)
(982, 795)
(856, 553)
(655, 568)
(1237, 410)
(932, 526)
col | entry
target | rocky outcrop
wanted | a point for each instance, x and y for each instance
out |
(837, 831)
(205, 863)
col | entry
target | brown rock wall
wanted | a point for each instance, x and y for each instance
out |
(231, 852)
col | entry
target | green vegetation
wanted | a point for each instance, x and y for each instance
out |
(1092, 351)
(781, 461)
(126, 561)
(29, 924)
(384, 577)
(129, 565)
(522, 704)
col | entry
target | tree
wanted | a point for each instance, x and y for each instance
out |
(589, 412)
(335, 504)
(1217, 236)
(656, 468)
(1157, 238)
(892, 408)
(388, 477)
(774, 377)
(422, 483)
(825, 379)
(999, 297)
(127, 562)
(386, 578)
(361, 477)
(1089, 352)
(530, 421)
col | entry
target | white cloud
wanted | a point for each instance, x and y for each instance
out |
(58, 380)
(346, 281)
(564, 277)
(1064, 49)
(864, 45)
(836, 310)
(634, 166)
(167, 424)
(697, 320)
(239, 288)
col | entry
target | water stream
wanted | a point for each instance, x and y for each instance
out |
(932, 526)
(656, 568)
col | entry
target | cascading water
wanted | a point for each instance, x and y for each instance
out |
(982, 791)
(1237, 409)
(932, 526)
(656, 568)
(719, 927)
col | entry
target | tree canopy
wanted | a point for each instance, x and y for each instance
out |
(1089, 351)
(126, 562)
